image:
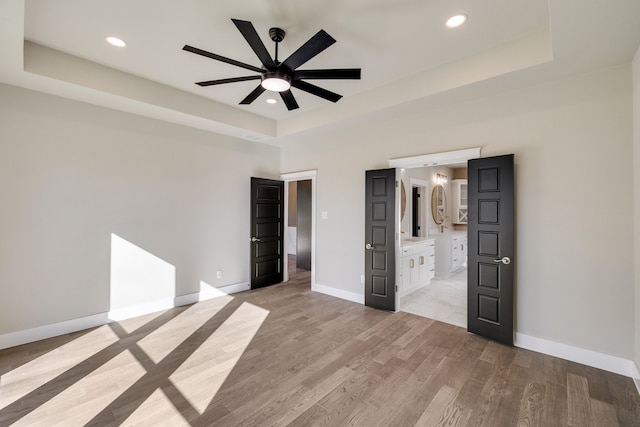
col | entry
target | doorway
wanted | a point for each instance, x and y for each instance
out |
(300, 222)
(444, 297)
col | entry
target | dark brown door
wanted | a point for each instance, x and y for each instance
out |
(491, 248)
(267, 231)
(380, 235)
(303, 224)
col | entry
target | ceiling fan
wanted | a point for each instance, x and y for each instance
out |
(280, 76)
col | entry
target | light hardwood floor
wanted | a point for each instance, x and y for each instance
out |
(284, 355)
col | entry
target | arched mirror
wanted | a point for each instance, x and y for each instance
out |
(438, 204)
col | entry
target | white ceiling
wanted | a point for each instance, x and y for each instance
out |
(406, 53)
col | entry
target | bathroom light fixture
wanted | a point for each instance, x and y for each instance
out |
(271, 101)
(457, 20)
(441, 179)
(276, 81)
(115, 41)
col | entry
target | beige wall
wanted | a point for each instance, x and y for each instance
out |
(71, 174)
(573, 145)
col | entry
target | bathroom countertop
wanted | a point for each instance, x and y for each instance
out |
(406, 241)
(447, 233)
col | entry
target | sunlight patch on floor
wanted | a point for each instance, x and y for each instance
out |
(78, 404)
(161, 342)
(149, 415)
(27, 378)
(134, 323)
(200, 377)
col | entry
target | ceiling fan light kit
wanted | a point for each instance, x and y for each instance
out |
(279, 76)
(276, 81)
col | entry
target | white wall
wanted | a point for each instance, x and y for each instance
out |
(636, 196)
(573, 145)
(72, 174)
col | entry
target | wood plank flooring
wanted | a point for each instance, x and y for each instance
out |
(284, 355)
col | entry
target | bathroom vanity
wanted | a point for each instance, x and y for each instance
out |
(418, 263)
(450, 252)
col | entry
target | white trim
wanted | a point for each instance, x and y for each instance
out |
(301, 176)
(636, 381)
(13, 339)
(607, 362)
(227, 289)
(338, 293)
(26, 336)
(437, 159)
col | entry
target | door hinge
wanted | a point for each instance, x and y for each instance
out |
(396, 288)
(396, 183)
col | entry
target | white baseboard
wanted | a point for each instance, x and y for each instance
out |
(339, 293)
(208, 292)
(13, 339)
(594, 359)
(26, 336)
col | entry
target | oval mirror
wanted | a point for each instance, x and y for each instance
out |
(438, 204)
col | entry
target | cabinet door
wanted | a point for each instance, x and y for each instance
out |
(405, 285)
(423, 272)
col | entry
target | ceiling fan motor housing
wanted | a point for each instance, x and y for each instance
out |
(276, 34)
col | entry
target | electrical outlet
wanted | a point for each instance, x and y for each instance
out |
(362, 278)
(219, 274)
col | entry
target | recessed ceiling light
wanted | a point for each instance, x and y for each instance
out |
(457, 20)
(271, 101)
(116, 41)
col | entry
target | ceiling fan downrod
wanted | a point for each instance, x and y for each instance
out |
(277, 35)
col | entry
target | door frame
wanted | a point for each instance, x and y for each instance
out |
(291, 177)
(423, 161)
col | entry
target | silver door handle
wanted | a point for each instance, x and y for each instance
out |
(505, 260)
(368, 246)
(254, 239)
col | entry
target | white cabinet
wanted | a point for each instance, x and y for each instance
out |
(460, 210)
(458, 251)
(418, 264)
(450, 253)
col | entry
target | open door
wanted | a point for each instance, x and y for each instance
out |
(380, 239)
(267, 232)
(491, 248)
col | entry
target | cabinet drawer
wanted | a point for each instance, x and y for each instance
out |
(420, 247)
(407, 250)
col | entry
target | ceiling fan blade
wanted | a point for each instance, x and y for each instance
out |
(251, 36)
(315, 90)
(221, 58)
(253, 95)
(311, 48)
(338, 73)
(289, 100)
(231, 80)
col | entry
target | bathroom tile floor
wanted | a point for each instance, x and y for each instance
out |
(444, 299)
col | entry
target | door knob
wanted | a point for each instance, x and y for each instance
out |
(254, 239)
(368, 246)
(505, 260)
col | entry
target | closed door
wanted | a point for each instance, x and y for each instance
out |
(491, 248)
(380, 239)
(267, 232)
